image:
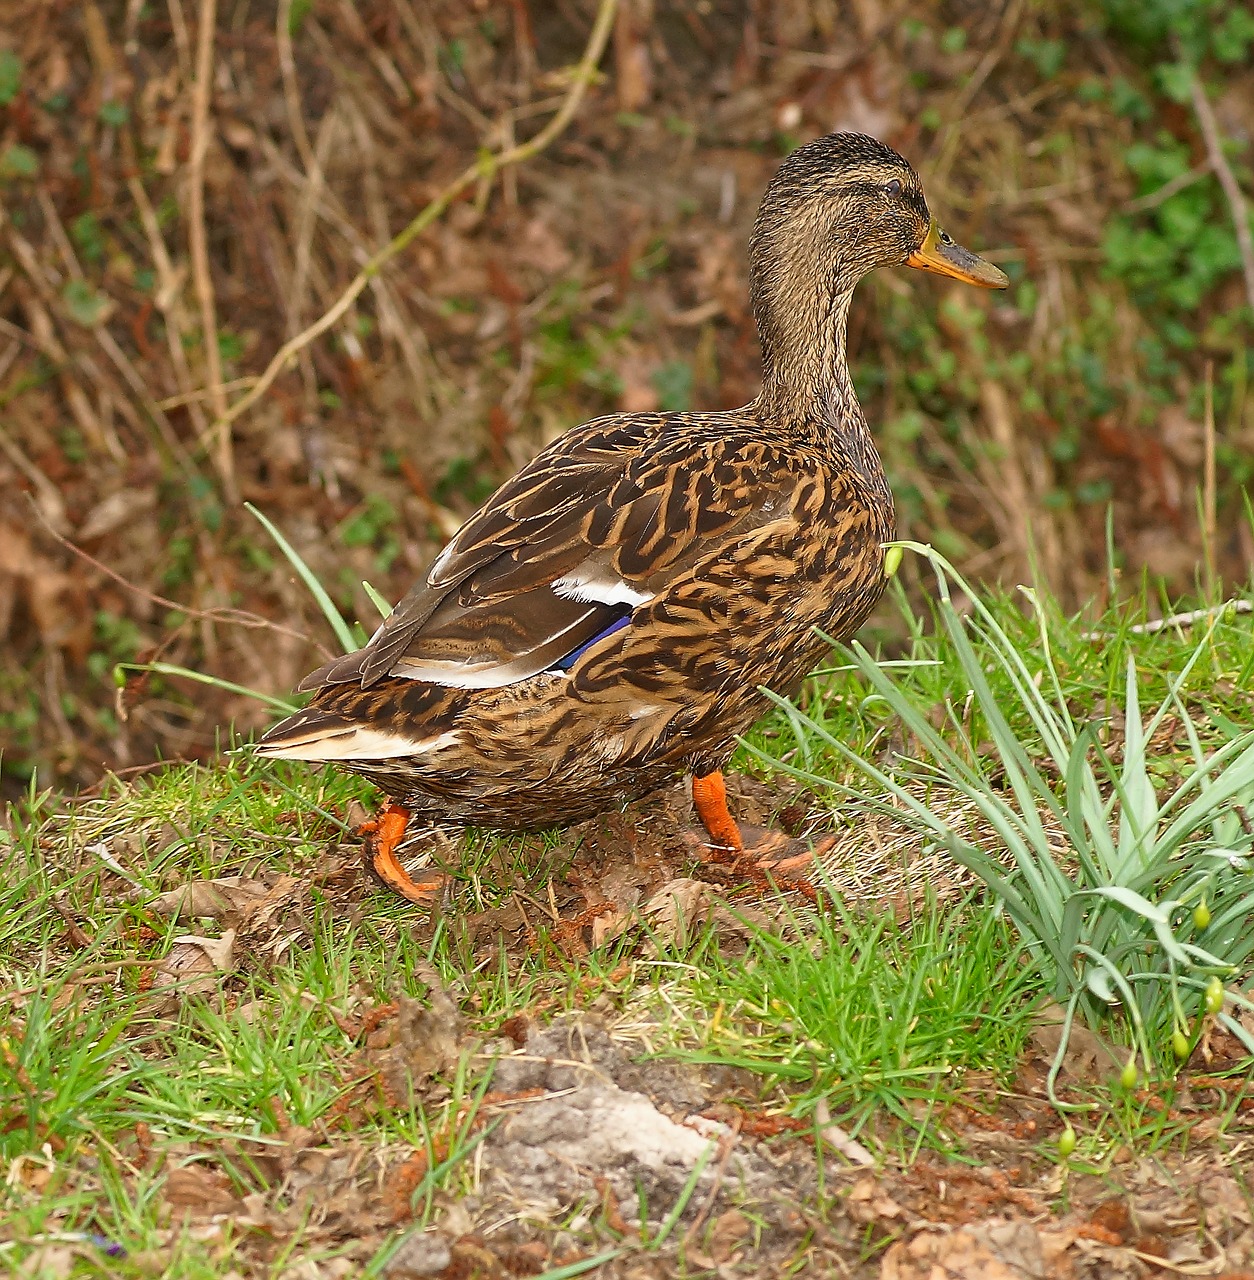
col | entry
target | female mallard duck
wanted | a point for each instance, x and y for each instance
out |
(607, 619)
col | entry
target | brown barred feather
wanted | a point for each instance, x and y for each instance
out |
(733, 538)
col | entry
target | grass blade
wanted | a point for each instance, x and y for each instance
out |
(343, 632)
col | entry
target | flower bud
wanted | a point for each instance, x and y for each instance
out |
(1214, 996)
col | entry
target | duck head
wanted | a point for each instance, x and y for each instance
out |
(837, 208)
(847, 204)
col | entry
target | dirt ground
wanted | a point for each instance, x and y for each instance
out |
(580, 1135)
(578, 1145)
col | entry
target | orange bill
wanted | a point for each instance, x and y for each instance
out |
(940, 254)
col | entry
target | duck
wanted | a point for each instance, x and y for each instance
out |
(610, 618)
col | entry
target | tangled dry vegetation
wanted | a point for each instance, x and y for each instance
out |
(173, 170)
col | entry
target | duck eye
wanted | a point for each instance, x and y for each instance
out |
(892, 187)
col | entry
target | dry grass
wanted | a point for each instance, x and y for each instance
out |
(172, 174)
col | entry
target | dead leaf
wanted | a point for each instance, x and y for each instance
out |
(194, 964)
(1081, 223)
(210, 899)
(114, 511)
(1183, 438)
(542, 248)
(610, 924)
(1087, 1057)
(729, 1231)
(868, 1202)
(266, 913)
(199, 1192)
(417, 1043)
(68, 995)
(993, 1250)
(75, 935)
(634, 370)
(47, 1262)
(678, 907)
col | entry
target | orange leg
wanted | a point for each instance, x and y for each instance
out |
(768, 853)
(383, 836)
(709, 796)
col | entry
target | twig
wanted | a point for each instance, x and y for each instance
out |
(291, 90)
(154, 411)
(1210, 526)
(169, 287)
(947, 145)
(192, 397)
(393, 323)
(1227, 180)
(52, 220)
(1181, 620)
(47, 497)
(198, 246)
(182, 39)
(727, 1144)
(1152, 199)
(12, 352)
(485, 166)
(239, 617)
(44, 336)
(314, 164)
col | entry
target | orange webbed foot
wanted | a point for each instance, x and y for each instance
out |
(383, 835)
(753, 853)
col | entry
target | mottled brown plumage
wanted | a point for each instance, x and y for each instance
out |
(606, 620)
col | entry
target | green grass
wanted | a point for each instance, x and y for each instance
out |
(887, 1018)
(1127, 854)
(867, 1011)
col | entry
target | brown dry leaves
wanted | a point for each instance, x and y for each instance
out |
(1087, 1056)
(995, 1250)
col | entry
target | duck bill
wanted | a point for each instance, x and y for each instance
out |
(939, 254)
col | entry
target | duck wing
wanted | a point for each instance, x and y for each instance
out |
(595, 525)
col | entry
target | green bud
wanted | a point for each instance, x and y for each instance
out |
(1066, 1142)
(892, 561)
(119, 676)
(1201, 915)
(1214, 996)
(1180, 1044)
(1128, 1076)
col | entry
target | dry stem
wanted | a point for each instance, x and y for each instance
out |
(486, 167)
(1227, 179)
(236, 617)
(1210, 523)
(198, 246)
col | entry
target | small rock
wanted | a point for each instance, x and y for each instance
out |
(420, 1255)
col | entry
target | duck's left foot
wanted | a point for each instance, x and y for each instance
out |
(747, 851)
(383, 836)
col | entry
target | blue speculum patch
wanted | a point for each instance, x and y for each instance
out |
(565, 664)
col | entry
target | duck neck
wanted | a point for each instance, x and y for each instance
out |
(802, 315)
